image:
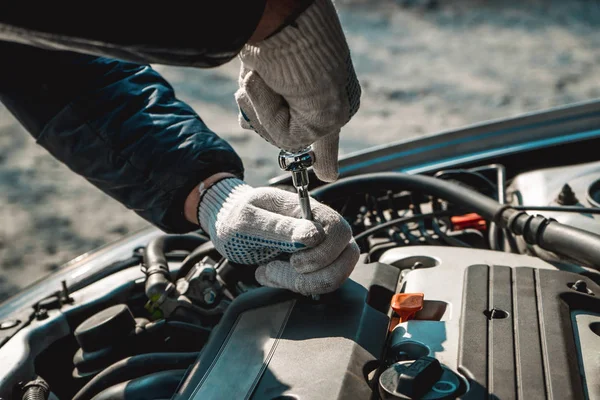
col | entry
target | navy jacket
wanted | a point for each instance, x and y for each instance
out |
(112, 118)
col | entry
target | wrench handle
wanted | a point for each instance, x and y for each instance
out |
(297, 164)
(304, 199)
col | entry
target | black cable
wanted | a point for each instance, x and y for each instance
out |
(468, 231)
(421, 224)
(469, 199)
(412, 239)
(512, 242)
(158, 385)
(134, 367)
(397, 221)
(444, 237)
(428, 238)
(550, 235)
(496, 188)
(500, 178)
(476, 174)
(566, 209)
(496, 237)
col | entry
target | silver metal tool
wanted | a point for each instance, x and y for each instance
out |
(298, 164)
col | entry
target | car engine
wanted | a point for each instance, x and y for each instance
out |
(459, 293)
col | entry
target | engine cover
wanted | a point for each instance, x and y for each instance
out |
(510, 324)
(273, 343)
(506, 325)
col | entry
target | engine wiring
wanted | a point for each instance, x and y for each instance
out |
(407, 223)
(399, 221)
(503, 222)
(498, 238)
(412, 226)
(445, 237)
(457, 208)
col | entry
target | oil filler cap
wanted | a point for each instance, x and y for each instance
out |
(424, 378)
(105, 328)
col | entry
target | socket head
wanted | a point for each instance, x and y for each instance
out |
(296, 161)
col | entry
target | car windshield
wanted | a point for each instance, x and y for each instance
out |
(425, 66)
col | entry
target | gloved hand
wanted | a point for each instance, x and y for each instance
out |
(299, 87)
(255, 225)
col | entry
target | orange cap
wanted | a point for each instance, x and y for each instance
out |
(407, 304)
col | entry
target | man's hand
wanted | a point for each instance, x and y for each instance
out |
(298, 87)
(255, 225)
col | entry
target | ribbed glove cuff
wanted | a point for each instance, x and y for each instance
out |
(301, 52)
(216, 198)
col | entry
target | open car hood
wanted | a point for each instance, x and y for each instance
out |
(502, 308)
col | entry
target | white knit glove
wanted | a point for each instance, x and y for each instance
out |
(254, 225)
(299, 87)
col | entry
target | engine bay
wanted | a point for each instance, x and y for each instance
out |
(459, 293)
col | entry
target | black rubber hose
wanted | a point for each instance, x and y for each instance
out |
(573, 243)
(134, 367)
(155, 386)
(397, 181)
(37, 389)
(157, 269)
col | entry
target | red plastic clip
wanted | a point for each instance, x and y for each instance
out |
(472, 221)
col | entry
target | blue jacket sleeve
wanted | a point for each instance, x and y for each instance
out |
(117, 124)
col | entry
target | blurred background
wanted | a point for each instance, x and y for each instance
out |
(425, 66)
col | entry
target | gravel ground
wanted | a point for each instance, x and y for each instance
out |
(425, 66)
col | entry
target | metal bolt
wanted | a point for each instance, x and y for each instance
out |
(495, 313)
(65, 298)
(567, 197)
(209, 296)
(41, 314)
(208, 274)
